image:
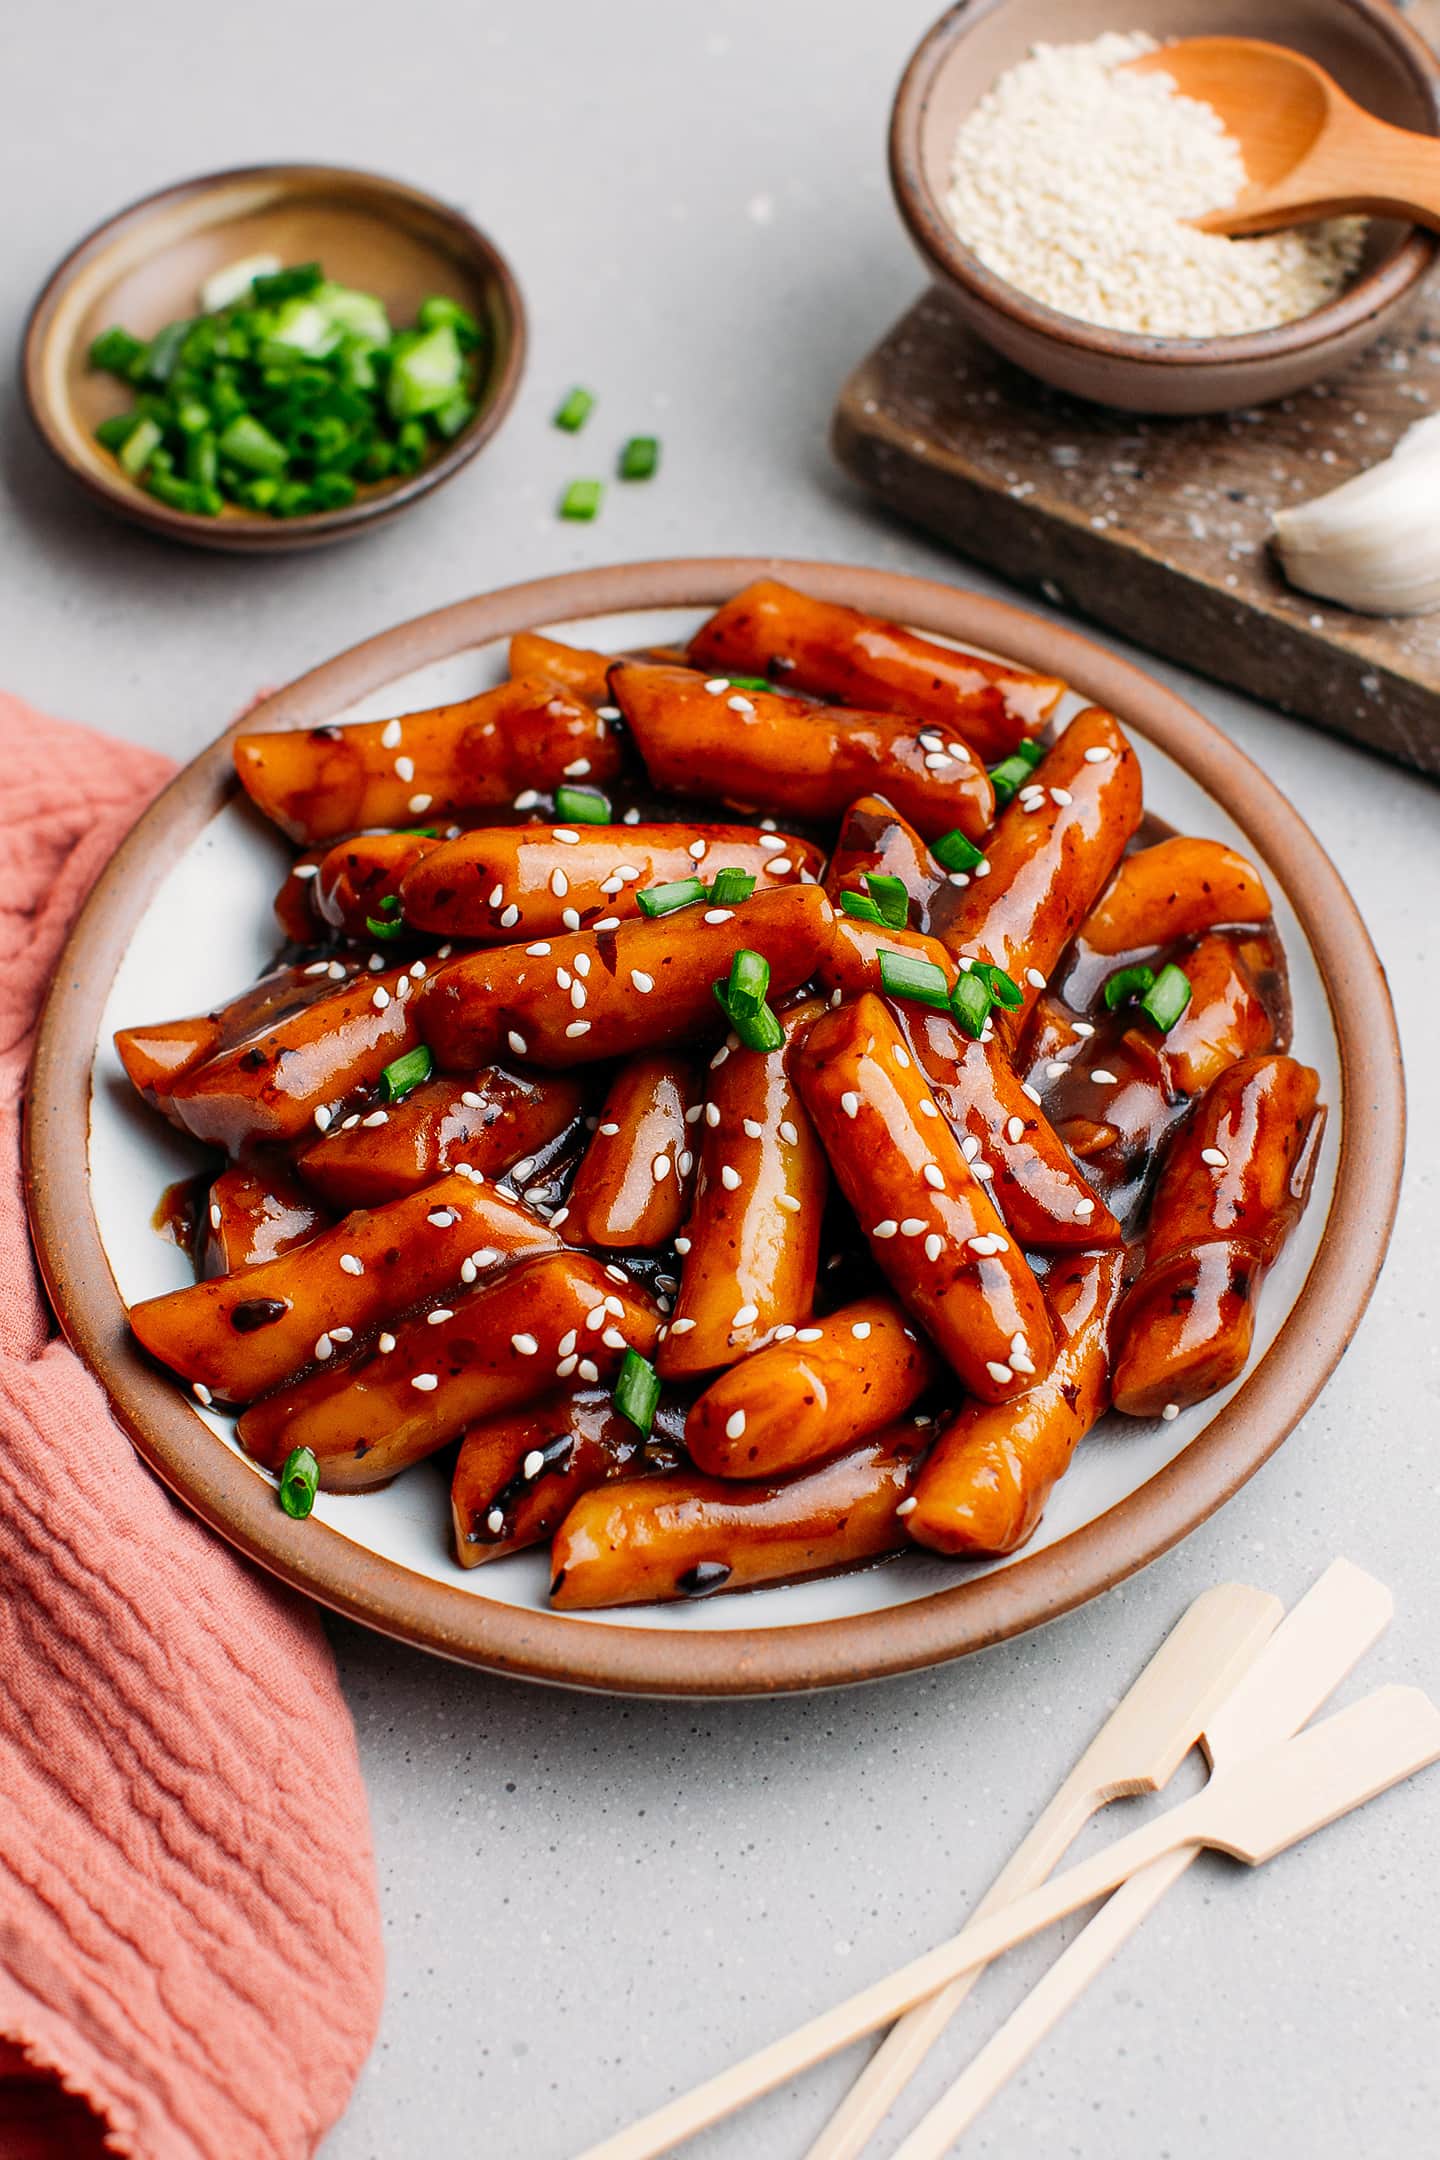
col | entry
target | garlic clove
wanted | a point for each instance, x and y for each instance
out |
(1373, 543)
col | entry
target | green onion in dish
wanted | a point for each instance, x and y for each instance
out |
(574, 410)
(749, 983)
(1128, 985)
(970, 1001)
(861, 907)
(749, 682)
(1167, 998)
(890, 897)
(288, 393)
(1011, 774)
(582, 499)
(664, 899)
(299, 1483)
(384, 927)
(954, 852)
(582, 806)
(640, 458)
(1003, 988)
(406, 1074)
(901, 975)
(637, 1390)
(731, 885)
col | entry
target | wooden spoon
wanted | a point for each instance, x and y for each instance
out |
(1310, 151)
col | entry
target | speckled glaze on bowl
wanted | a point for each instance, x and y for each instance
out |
(1366, 45)
(145, 266)
(157, 933)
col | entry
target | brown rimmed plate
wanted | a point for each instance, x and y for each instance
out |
(145, 266)
(182, 914)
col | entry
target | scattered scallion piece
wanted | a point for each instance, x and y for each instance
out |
(407, 1073)
(954, 852)
(299, 1482)
(1167, 998)
(289, 393)
(1127, 985)
(1011, 774)
(1003, 988)
(749, 982)
(384, 927)
(582, 499)
(639, 458)
(970, 1001)
(582, 806)
(861, 907)
(749, 682)
(890, 896)
(574, 410)
(902, 975)
(664, 899)
(758, 1030)
(637, 1390)
(730, 885)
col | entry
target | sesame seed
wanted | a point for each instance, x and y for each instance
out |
(405, 769)
(788, 1203)
(215, 1215)
(607, 712)
(681, 1327)
(606, 922)
(901, 1056)
(589, 1370)
(1215, 1157)
(771, 843)
(578, 1027)
(557, 1216)
(486, 1256)
(969, 1147)
(1056, 1069)
(643, 983)
(850, 1103)
(322, 1119)
(517, 1043)
(1014, 1129)
(417, 803)
(385, 1345)
(934, 1245)
(304, 871)
(885, 1229)
(712, 1114)
(1170, 1412)
(1097, 755)
(959, 877)
(720, 1056)
(1035, 979)
(682, 1246)
(717, 685)
(959, 751)
(324, 1348)
(739, 704)
(495, 1522)
(927, 1108)
(437, 1318)
(779, 866)
(696, 850)
(746, 1316)
(521, 1170)
(537, 952)
(427, 1382)
(660, 1169)
(563, 978)
(937, 760)
(350, 1265)
(983, 1171)
(390, 735)
(380, 997)
(376, 1117)
(1062, 797)
(789, 1132)
(686, 1162)
(565, 836)
(342, 1334)
(510, 917)
(527, 798)
(1021, 1361)
(578, 995)
(402, 988)
(933, 1177)
(752, 1127)
(614, 1340)
(442, 1217)
(317, 967)
(468, 1271)
(595, 1319)
(616, 1274)
(1103, 1077)
(570, 917)
(609, 1128)
(735, 1425)
(719, 914)
(524, 1345)
(631, 817)
(1084, 1029)
(912, 1225)
(729, 1178)
(907, 1507)
(577, 768)
(1084, 1209)
(559, 884)
(1033, 1094)
(998, 1373)
(860, 1329)
(201, 1393)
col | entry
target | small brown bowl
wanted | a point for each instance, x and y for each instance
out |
(1365, 45)
(145, 267)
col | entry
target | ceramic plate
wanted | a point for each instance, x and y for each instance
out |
(182, 918)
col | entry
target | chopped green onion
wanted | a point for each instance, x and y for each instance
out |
(890, 897)
(749, 981)
(280, 285)
(904, 976)
(749, 682)
(1003, 988)
(728, 886)
(116, 352)
(954, 852)
(111, 433)
(406, 1073)
(299, 1482)
(581, 499)
(140, 446)
(1169, 997)
(162, 353)
(575, 410)
(664, 899)
(439, 309)
(246, 441)
(450, 420)
(970, 1001)
(637, 1390)
(359, 315)
(582, 805)
(384, 927)
(425, 374)
(758, 1030)
(863, 909)
(1009, 776)
(639, 458)
(1128, 985)
(1031, 751)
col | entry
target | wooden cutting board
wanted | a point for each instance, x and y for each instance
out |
(1158, 528)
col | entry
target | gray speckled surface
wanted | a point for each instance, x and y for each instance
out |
(589, 1903)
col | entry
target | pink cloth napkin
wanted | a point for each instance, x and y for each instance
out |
(190, 1958)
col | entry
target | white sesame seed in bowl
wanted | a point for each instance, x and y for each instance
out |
(1172, 338)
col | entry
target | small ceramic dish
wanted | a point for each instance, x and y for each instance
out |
(144, 267)
(1366, 45)
(182, 916)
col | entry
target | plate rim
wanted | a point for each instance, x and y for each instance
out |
(971, 1615)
